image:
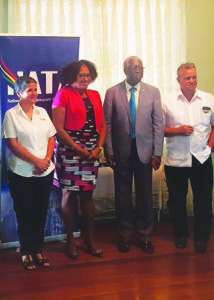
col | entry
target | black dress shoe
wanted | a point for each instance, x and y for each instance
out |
(95, 252)
(147, 247)
(124, 246)
(201, 247)
(72, 254)
(180, 243)
(71, 251)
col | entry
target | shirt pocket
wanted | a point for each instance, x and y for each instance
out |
(205, 115)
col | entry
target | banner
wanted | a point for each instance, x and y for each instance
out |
(40, 58)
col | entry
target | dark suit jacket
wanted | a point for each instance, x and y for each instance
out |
(149, 125)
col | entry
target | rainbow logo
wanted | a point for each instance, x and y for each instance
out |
(6, 73)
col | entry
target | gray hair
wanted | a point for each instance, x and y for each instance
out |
(21, 83)
(185, 66)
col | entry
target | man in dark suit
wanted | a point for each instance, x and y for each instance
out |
(134, 142)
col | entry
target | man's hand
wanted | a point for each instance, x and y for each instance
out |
(186, 130)
(111, 160)
(157, 162)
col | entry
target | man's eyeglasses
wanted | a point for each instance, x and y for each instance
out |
(136, 68)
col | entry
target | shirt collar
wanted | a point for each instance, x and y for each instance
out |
(21, 110)
(128, 86)
(196, 95)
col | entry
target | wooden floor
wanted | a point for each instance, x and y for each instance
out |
(168, 274)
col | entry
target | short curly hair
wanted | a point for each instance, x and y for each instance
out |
(68, 74)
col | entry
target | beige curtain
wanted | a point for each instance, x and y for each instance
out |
(109, 31)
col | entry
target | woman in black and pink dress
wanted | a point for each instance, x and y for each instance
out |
(78, 117)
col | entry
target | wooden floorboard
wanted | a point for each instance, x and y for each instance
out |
(168, 274)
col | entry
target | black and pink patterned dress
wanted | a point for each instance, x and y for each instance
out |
(73, 173)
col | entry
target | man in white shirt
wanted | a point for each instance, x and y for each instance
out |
(189, 121)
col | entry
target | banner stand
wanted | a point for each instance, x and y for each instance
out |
(40, 57)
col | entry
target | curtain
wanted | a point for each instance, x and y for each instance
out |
(109, 31)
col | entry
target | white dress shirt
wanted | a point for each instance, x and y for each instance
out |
(136, 92)
(31, 134)
(198, 113)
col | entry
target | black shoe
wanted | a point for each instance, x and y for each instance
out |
(41, 262)
(91, 249)
(28, 262)
(180, 243)
(124, 246)
(96, 252)
(147, 247)
(72, 254)
(71, 251)
(201, 247)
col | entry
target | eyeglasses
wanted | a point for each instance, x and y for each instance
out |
(136, 68)
(82, 75)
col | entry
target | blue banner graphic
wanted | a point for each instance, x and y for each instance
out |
(40, 58)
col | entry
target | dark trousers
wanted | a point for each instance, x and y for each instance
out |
(30, 197)
(123, 178)
(201, 179)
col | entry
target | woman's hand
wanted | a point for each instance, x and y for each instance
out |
(82, 153)
(58, 115)
(37, 171)
(94, 154)
(41, 166)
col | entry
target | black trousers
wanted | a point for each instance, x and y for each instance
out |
(30, 197)
(201, 179)
(123, 179)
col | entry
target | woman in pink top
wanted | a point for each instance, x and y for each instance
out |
(78, 117)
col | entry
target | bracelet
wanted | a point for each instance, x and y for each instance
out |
(48, 160)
